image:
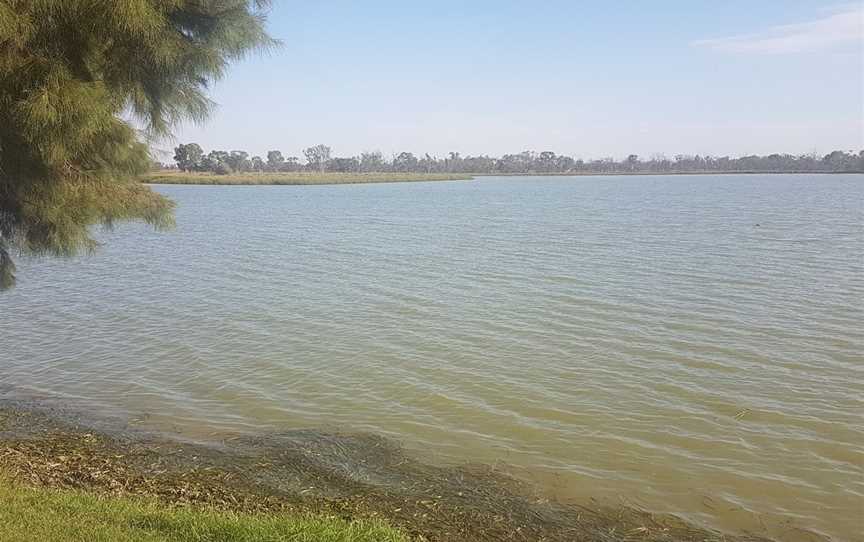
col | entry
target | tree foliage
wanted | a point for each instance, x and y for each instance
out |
(189, 157)
(317, 156)
(76, 78)
(319, 159)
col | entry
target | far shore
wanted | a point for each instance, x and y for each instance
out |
(663, 173)
(297, 178)
(325, 178)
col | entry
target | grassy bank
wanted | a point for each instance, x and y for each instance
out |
(296, 178)
(45, 515)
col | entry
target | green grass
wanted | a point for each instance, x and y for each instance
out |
(41, 515)
(296, 178)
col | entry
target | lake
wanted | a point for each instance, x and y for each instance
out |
(686, 344)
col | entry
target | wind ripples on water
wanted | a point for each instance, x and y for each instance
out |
(692, 344)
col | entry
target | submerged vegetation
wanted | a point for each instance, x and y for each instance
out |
(296, 178)
(69, 72)
(256, 484)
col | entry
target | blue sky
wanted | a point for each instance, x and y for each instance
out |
(586, 78)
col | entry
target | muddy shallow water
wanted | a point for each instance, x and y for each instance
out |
(352, 476)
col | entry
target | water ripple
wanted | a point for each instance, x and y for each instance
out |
(692, 344)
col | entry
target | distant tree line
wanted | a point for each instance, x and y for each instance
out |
(191, 157)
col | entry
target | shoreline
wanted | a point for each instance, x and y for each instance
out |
(351, 476)
(325, 179)
(297, 178)
(665, 173)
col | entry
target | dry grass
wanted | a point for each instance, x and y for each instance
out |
(296, 178)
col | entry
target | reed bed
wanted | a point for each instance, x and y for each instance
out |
(297, 178)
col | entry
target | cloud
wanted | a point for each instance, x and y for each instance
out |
(842, 27)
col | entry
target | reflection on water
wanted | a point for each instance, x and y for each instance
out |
(690, 344)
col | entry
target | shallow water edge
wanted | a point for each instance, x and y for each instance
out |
(350, 475)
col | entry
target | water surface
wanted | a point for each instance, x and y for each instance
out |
(690, 344)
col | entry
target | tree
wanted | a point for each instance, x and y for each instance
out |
(427, 163)
(372, 161)
(239, 161)
(258, 164)
(292, 163)
(69, 71)
(275, 160)
(345, 165)
(454, 162)
(405, 161)
(217, 162)
(188, 157)
(547, 161)
(835, 161)
(317, 157)
(565, 164)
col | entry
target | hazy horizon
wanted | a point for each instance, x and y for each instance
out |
(587, 81)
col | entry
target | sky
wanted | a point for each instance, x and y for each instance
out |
(590, 79)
